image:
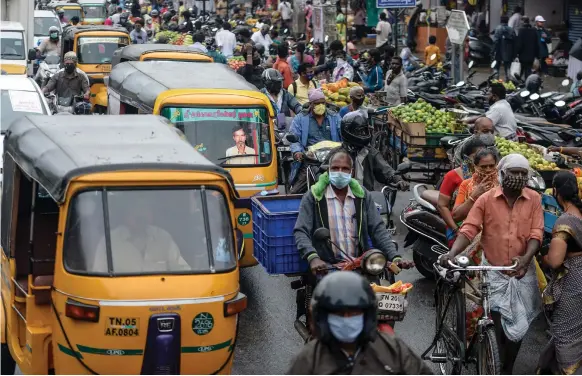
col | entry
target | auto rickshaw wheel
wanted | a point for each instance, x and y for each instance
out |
(8, 363)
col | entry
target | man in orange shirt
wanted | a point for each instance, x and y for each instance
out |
(510, 219)
(282, 66)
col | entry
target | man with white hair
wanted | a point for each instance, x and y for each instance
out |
(510, 220)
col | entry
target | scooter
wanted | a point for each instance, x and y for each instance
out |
(372, 265)
(47, 68)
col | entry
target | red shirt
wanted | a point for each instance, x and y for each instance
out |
(284, 68)
(450, 183)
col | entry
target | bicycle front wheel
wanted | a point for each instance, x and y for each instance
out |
(450, 342)
(488, 360)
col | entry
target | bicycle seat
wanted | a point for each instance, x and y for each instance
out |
(431, 196)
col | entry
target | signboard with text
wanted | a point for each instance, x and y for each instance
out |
(457, 26)
(395, 3)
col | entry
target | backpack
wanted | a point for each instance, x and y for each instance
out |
(295, 86)
(506, 43)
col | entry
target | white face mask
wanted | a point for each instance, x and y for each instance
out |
(340, 61)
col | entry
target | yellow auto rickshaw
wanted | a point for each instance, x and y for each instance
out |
(95, 11)
(119, 252)
(94, 46)
(222, 115)
(71, 9)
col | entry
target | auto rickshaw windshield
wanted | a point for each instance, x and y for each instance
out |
(226, 136)
(98, 50)
(94, 11)
(70, 13)
(149, 231)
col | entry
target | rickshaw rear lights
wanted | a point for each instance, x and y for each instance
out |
(81, 311)
(235, 305)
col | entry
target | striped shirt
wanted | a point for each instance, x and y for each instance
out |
(342, 222)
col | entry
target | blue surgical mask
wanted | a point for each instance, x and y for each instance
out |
(339, 180)
(345, 329)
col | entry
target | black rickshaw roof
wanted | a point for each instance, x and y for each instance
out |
(141, 82)
(70, 31)
(133, 52)
(53, 150)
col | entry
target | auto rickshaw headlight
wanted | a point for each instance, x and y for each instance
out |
(81, 311)
(374, 262)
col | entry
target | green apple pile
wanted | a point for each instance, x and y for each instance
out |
(436, 121)
(536, 159)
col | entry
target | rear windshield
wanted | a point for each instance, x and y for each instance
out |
(140, 232)
(95, 11)
(98, 50)
(43, 24)
(12, 45)
(16, 104)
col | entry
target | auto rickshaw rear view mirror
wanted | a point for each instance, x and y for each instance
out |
(81, 311)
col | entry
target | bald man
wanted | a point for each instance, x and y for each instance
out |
(483, 125)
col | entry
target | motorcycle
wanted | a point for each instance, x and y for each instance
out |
(372, 265)
(479, 47)
(47, 68)
(426, 228)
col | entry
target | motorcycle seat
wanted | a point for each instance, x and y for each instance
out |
(431, 196)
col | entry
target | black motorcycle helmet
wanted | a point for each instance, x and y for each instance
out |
(355, 130)
(167, 17)
(273, 80)
(339, 292)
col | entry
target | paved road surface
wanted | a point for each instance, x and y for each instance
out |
(268, 342)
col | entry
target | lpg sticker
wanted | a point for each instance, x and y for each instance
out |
(122, 326)
(244, 219)
(203, 323)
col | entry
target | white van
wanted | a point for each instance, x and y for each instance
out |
(13, 48)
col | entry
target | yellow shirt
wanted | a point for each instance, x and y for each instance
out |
(429, 51)
(302, 91)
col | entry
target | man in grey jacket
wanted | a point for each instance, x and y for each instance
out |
(339, 203)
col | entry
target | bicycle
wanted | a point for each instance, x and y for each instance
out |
(454, 349)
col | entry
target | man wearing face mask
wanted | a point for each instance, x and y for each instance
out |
(510, 220)
(483, 126)
(311, 126)
(500, 113)
(252, 71)
(281, 100)
(342, 205)
(346, 339)
(70, 80)
(301, 86)
(51, 45)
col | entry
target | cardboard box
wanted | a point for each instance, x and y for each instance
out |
(415, 133)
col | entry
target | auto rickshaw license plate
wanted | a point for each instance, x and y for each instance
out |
(122, 326)
(390, 302)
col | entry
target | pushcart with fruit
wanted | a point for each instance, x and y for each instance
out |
(420, 133)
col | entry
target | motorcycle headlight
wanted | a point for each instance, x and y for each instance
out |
(321, 155)
(374, 262)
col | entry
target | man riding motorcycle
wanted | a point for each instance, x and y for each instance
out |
(69, 81)
(51, 45)
(281, 100)
(370, 165)
(346, 338)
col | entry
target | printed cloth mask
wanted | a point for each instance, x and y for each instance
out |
(319, 109)
(516, 183)
(345, 329)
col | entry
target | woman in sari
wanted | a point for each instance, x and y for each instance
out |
(563, 354)
(453, 180)
(484, 178)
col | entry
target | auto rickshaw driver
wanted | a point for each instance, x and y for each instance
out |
(137, 244)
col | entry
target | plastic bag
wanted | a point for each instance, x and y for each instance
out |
(515, 68)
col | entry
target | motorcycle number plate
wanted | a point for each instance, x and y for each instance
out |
(106, 68)
(283, 148)
(390, 302)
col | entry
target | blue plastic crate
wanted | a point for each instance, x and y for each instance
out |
(274, 218)
(551, 212)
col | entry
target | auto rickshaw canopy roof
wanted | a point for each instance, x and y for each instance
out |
(93, 2)
(141, 82)
(53, 150)
(134, 52)
(69, 32)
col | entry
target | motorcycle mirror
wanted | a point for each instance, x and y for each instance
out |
(214, 30)
(311, 40)
(433, 57)
(292, 138)
(560, 104)
(534, 96)
(471, 63)
(271, 28)
(321, 235)
(565, 82)
(524, 94)
(546, 95)
(32, 54)
(559, 97)
(460, 84)
(493, 64)
(285, 31)
(326, 38)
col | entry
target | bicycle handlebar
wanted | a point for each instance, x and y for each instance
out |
(482, 267)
